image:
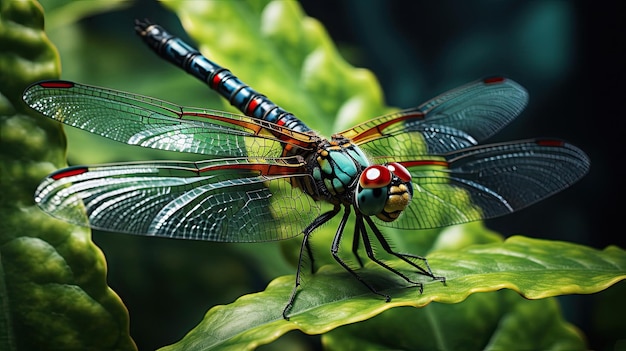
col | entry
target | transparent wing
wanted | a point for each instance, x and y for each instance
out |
(139, 120)
(233, 200)
(457, 119)
(487, 181)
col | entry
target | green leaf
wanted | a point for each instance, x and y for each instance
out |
(489, 321)
(332, 298)
(54, 293)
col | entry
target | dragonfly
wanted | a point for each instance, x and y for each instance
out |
(265, 175)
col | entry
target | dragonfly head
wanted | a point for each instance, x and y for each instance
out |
(384, 191)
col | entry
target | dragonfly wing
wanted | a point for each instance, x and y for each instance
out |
(144, 121)
(233, 200)
(457, 119)
(487, 181)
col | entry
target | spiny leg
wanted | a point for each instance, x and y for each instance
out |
(323, 218)
(405, 257)
(335, 249)
(360, 226)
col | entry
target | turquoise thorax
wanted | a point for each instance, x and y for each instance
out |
(339, 164)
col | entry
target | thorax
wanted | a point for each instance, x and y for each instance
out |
(335, 168)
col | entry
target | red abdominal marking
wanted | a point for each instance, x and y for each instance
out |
(215, 82)
(252, 105)
(57, 84)
(68, 172)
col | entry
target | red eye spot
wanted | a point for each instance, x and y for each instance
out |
(376, 176)
(400, 171)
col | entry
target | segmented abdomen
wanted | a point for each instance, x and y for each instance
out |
(240, 95)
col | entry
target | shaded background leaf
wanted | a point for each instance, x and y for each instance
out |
(490, 321)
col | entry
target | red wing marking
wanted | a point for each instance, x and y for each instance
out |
(57, 84)
(494, 80)
(68, 172)
(550, 142)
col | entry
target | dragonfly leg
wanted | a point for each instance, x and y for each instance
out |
(323, 218)
(355, 244)
(370, 253)
(405, 257)
(335, 249)
(309, 253)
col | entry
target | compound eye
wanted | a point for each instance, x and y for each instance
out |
(400, 171)
(375, 176)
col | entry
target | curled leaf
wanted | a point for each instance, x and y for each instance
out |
(54, 293)
(332, 298)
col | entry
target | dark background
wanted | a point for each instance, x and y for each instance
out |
(569, 55)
